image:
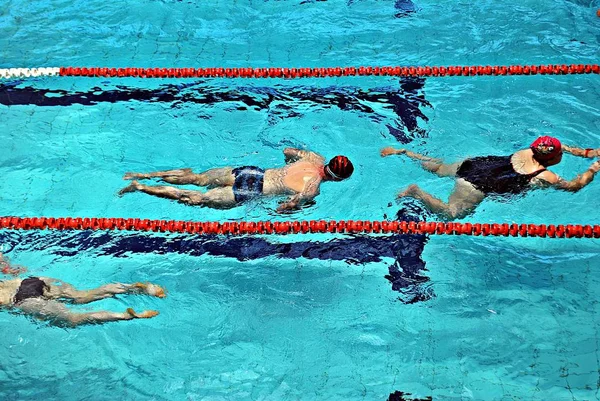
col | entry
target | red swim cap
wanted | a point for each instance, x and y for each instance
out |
(546, 148)
(339, 168)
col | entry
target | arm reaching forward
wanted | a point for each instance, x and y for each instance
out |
(293, 155)
(575, 184)
(575, 151)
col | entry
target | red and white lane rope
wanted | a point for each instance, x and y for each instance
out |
(313, 72)
(29, 72)
(302, 227)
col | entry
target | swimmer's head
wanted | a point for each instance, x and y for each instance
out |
(547, 150)
(339, 168)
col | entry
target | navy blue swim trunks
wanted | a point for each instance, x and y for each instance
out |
(249, 181)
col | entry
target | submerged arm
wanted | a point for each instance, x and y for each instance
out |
(310, 191)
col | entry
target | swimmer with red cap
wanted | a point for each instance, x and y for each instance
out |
(300, 179)
(481, 176)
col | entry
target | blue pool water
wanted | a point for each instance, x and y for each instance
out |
(311, 317)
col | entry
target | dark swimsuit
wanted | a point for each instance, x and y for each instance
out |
(495, 175)
(31, 287)
(248, 184)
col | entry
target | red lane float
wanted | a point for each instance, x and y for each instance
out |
(302, 227)
(321, 72)
(312, 72)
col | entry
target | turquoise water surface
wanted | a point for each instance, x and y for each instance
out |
(307, 317)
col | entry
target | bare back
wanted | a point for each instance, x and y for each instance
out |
(294, 177)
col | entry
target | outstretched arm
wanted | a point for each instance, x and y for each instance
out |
(7, 268)
(575, 151)
(293, 155)
(575, 184)
(310, 191)
(391, 151)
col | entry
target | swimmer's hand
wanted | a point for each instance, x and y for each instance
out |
(7, 268)
(287, 207)
(12, 270)
(388, 151)
(595, 167)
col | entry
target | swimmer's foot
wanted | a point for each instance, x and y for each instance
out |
(411, 191)
(149, 289)
(134, 186)
(136, 176)
(147, 314)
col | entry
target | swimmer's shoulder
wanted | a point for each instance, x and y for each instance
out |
(546, 178)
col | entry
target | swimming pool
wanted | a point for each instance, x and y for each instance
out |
(306, 317)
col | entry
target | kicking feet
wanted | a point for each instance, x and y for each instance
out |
(136, 176)
(149, 289)
(134, 186)
(147, 314)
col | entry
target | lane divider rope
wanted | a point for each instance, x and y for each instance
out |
(302, 227)
(29, 72)
(314, 72)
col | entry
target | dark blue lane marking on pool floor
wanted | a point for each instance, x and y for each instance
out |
(281, 102)
(406, 273)
(404, 8)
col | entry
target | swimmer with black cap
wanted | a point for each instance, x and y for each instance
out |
(44, 298)
(481, 176)
(229, 187)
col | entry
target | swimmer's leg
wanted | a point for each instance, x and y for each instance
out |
(58, 313)
(432, 164)
(219, 198)
(178, 174)
(160, 191)
(60, 290)
(440, 168)
(216, 177)
(463, 199)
